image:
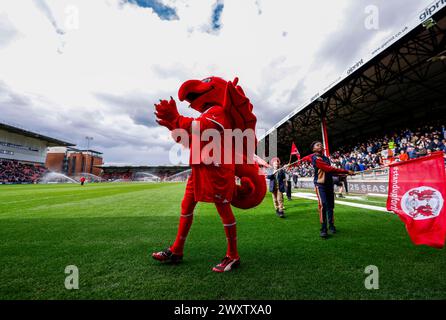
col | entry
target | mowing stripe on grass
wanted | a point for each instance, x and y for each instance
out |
(345, 203)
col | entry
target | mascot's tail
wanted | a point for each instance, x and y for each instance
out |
(252, 188)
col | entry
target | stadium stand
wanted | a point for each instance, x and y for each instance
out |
(16, 172)
(401, 83)
(389, 105)
(141, 173)
(23, 154)
(377, 152)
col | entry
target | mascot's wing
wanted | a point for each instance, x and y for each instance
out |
(239, 109)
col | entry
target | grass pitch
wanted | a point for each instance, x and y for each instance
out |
(109, 231)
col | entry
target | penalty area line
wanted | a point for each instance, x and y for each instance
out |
(344, 203)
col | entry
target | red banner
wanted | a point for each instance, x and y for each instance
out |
(417, 189)
(294, 151)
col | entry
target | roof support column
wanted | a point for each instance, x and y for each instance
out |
(325, 136)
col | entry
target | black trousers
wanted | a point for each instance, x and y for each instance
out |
(344, 181)
(325, 195)
(288, 189)
(295, 181)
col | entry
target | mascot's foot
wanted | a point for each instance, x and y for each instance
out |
(227, 264)
(167, 256)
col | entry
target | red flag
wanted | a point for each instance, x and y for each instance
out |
(417, 189)
(294, 151)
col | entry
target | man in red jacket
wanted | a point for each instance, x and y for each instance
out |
(323, 182)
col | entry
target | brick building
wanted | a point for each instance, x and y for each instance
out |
(73, 162)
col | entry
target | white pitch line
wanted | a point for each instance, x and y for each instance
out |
(345, 203)
(378, 195)
(354, 198)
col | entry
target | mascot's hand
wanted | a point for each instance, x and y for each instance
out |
(235, 93)
(238, 88)
(167, 113)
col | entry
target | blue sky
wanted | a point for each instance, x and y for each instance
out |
(216, 15)
(163, 11)
(71, 69)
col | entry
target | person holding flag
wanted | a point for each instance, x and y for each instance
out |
(323, 182)
(277, 186)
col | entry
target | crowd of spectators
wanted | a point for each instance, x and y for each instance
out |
(120, 176)
(378, 152)
(303, 170)
(17, 172)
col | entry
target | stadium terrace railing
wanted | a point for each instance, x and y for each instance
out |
(372, 174)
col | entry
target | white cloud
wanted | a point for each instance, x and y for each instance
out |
(79, 81)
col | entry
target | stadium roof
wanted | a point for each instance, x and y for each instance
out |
(85, 150)
(158, 169)
(52, 142)
(399, 83)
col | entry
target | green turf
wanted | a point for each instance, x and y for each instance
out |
(358, 198)
(109, 230)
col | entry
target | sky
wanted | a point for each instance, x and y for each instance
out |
(77, 68)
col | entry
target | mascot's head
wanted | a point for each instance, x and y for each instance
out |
(203, 94)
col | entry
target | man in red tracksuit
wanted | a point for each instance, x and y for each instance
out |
(323, 182)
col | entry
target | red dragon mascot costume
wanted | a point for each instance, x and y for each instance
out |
(223, 106)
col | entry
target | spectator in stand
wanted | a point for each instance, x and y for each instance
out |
(443, 145)
(421, 152)
(403, 156)
(385, 153)
(391, 147)
(435, 145)
(422, 143)
(355, 166)
(348, 166)
(411, 151)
